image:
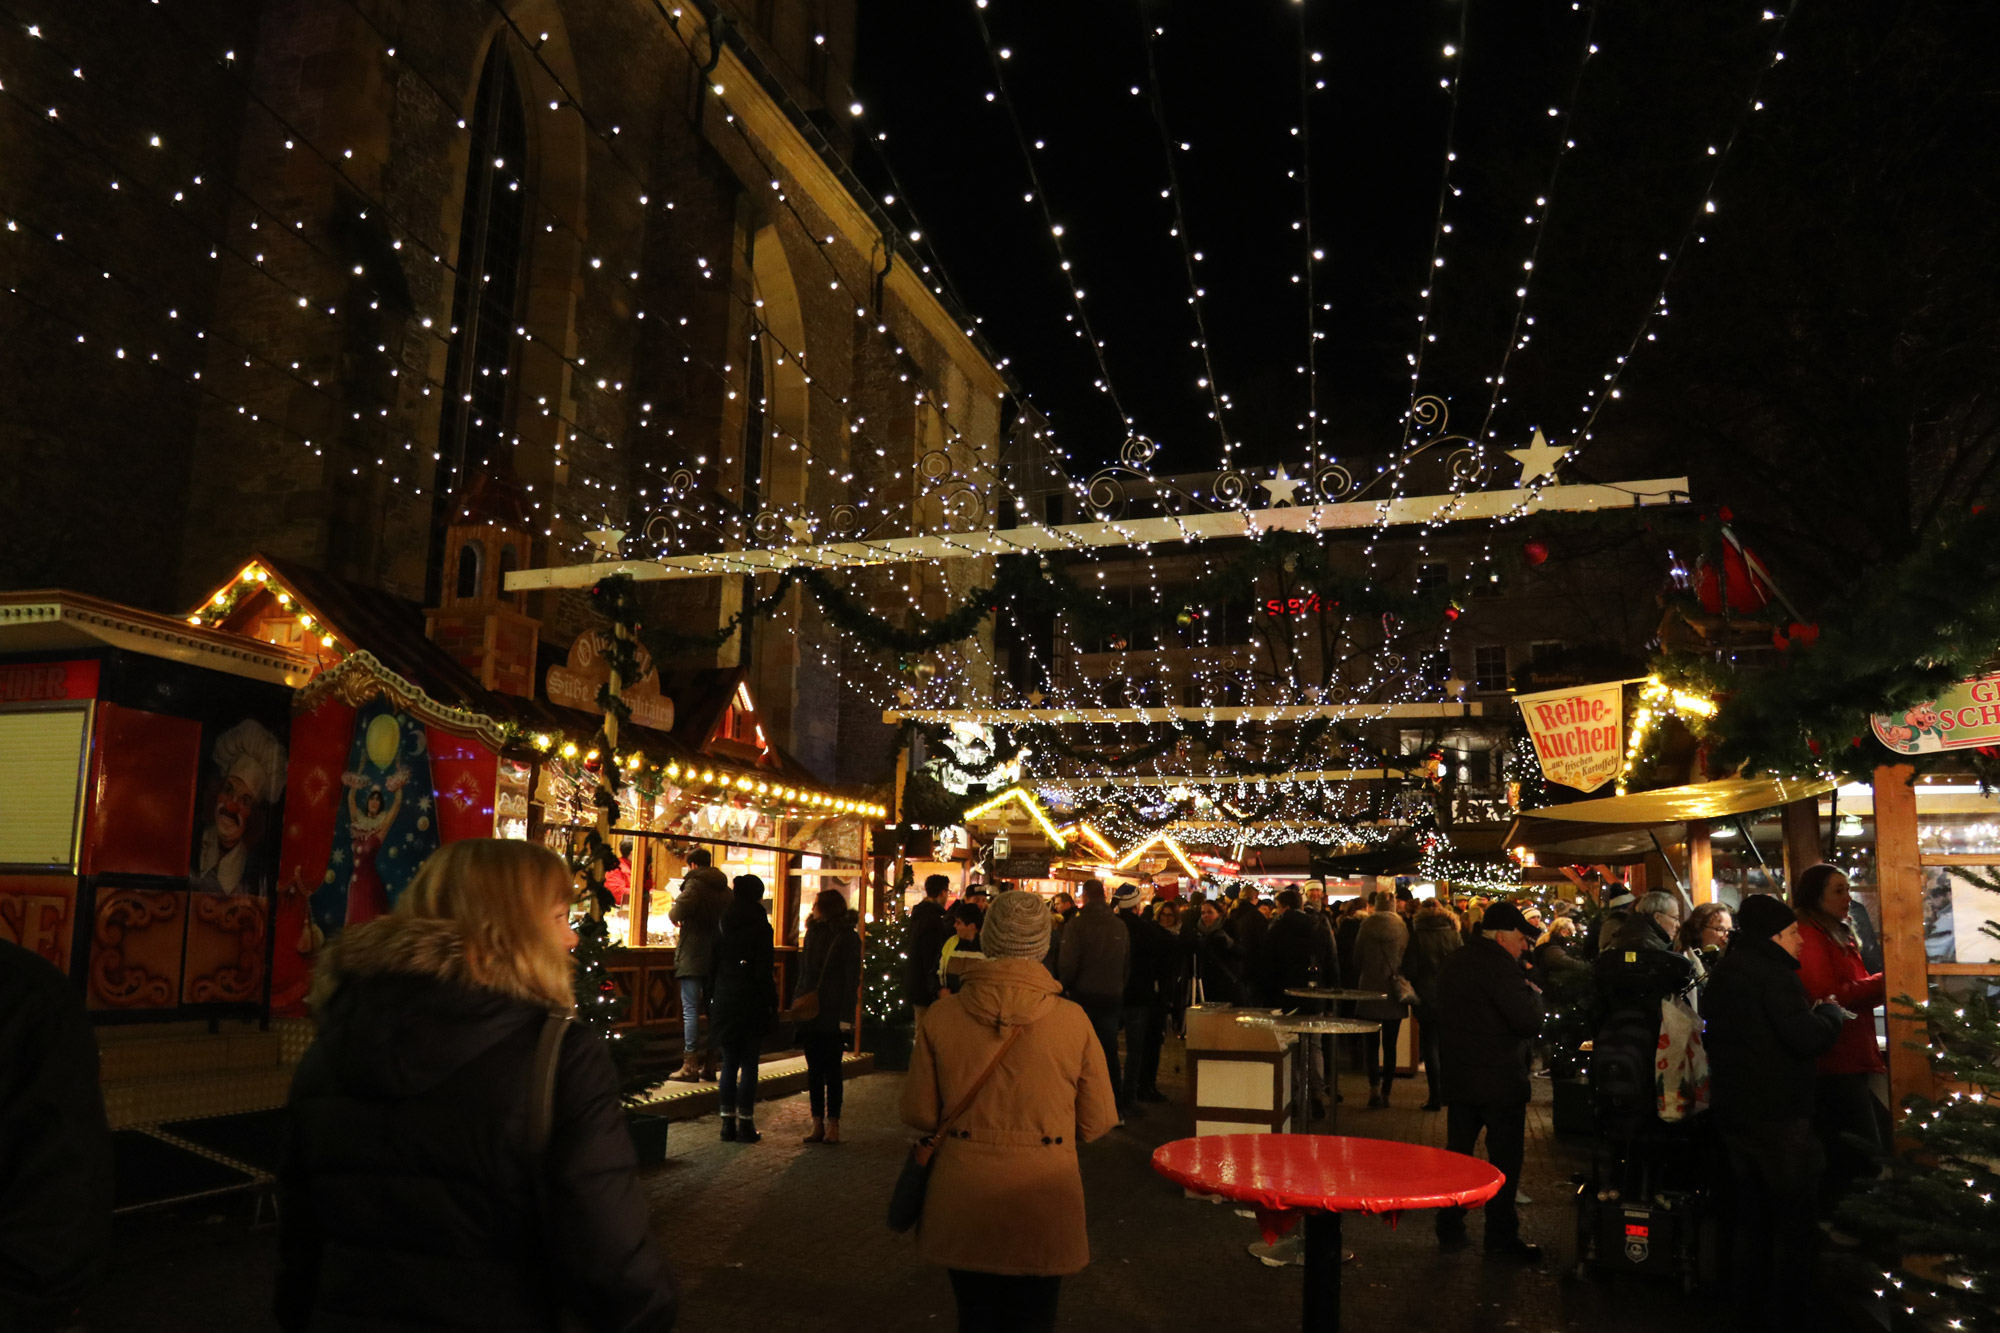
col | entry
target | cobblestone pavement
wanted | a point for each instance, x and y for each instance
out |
(783, 1236)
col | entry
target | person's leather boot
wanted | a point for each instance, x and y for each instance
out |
(833, 1129)
(819, 1131)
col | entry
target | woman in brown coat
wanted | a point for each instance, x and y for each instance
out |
(1004, 1211)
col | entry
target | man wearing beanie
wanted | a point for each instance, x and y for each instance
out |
(1093, 966)
(1487, 1013)
(1764, 1036)
(1004, 1207)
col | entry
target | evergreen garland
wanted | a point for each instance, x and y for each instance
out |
(1908, 631)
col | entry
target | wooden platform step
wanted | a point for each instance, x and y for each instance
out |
(781, 1075)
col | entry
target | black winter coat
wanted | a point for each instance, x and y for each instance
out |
(1301, 953)
(1486, 1013)
(923, 942)
(830, 965)
(408, 1192)
(1433, 940)
(1155, 959)
(1253, 941)
(1763, 1035)
(55, 1150)
(1218, 962)
(746, 981)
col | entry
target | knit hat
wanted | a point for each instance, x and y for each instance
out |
(1621, 898)
(1761, 917)
(1017, 926)
(1505, 916)
(1126, 896)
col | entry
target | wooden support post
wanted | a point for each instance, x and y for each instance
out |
(1899, 878)
(1701, 863)
(1800, 823)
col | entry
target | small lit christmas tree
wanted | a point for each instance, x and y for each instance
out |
(1933, 1219)
(598, 1003)
(884, 962)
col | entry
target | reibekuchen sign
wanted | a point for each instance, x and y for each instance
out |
(1963, 717)
(1579, 733)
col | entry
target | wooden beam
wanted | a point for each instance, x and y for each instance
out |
(1171, 530)
(1257, 713)
(1701, 862)
(1800, 823)
(1899, 878)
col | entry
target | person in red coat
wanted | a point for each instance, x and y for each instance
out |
(1850, 1121)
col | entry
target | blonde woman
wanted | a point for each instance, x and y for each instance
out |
(412, 1193)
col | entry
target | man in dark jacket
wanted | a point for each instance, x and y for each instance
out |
(1487, 1014)
(1764, 1036)
(1154, 960)
(1095, 963)
(923, 942)
(55, 1151)
(1301, 949)
(697, 911)
(1253, 941)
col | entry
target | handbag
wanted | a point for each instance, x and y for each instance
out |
(804, 1008)
(1400, 989)
(906, 1200)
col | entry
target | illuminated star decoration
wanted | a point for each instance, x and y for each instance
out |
(1284, 490)
(1539, 459)
(801, 529)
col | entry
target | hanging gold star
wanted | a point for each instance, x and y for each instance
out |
(1539, 459)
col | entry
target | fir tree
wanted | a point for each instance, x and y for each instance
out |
(884, 962)
(1933, 1219)
(597, 1000)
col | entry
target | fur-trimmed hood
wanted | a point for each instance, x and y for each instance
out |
(398, 1012)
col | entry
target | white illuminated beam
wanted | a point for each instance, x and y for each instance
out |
(1414, 509)
(1255, 713)
(1235, 779)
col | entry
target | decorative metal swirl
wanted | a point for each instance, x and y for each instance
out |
(1430, 412)
(1333, 481)
(770, 527)
(1469, 465)
(1106, 493)
(1137, 451)
(844, 521)
(936, 465)
(1228, 488)
(962, 504)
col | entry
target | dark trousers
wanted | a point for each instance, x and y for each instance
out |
(1774, 1171)
(996, 1303)
(1382, 1054)
(823, 1073)
(1104, 1015)
(1427, 1042)
(739, 1079)
(1149, 1058)
(1848, 1120)
(1506, 1130)
(1141, 1023)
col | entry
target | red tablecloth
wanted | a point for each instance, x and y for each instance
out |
(1284, 1174)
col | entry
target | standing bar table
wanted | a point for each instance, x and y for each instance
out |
(1305, 1028)
(1326, 995)
(1322, 1176)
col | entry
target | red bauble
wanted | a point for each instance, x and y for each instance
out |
(1534, 550)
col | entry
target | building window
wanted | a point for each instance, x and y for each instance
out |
(468, 571)
(1489, 669)
(1543, 652)
(475, 418)
(1432, 574)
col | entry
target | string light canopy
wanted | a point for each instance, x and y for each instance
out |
(1023, 799)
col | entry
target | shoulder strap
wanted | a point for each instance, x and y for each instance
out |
(972, 1093)
(542, 1083)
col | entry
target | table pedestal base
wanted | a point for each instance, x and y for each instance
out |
(1323, 1257)
(1287, 1252)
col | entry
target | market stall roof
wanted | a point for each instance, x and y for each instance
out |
(57, 620)
(1616, 830)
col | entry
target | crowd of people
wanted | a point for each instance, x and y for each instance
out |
(458, 1154)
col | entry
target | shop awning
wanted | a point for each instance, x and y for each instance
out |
(1615, 830)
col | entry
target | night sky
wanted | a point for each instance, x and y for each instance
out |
(1661, 90)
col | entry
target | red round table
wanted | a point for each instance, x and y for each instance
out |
(1323, 1176)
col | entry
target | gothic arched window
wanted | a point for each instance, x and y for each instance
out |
(475, 424)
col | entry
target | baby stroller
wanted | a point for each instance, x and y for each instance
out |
(1648, 1204)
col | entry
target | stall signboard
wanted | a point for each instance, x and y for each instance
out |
(575, 683)
(1964, 717)
(42, 682)
(1579, 733)
(1021, 867)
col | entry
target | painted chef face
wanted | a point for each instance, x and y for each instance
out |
(235, 804)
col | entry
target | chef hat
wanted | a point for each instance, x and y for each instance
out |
(249, 753)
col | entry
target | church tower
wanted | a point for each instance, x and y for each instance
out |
(485, 627)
